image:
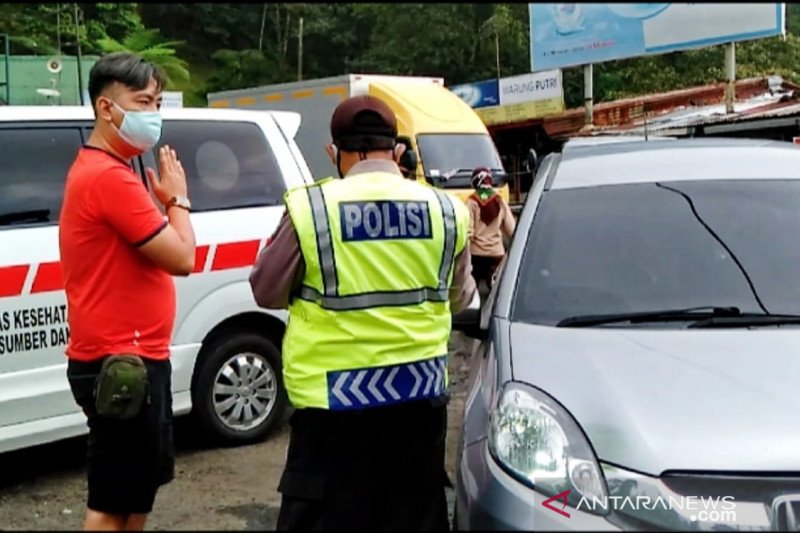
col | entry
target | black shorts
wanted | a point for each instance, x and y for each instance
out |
(127, 459)
(377, 469)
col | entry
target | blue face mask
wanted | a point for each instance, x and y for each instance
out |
(140, 129)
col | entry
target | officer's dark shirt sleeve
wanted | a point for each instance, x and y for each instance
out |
(279, 268)
(463, 288)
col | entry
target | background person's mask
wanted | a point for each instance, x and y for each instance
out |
(140, 129)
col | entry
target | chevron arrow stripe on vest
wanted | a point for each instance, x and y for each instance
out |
(388, 385)
(356, 384)
(369, 387)
(417, 381)
(430, 375)
(337, 390)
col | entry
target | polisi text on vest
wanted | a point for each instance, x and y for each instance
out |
(385, 219)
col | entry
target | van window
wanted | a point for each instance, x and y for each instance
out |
(33, 168)
(228, 164)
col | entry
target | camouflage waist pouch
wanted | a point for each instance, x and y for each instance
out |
(121, 387)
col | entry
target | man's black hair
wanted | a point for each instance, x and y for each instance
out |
(125, 68)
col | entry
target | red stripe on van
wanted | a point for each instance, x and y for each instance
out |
(12, 278)
(48, 278)
(200, 256)
(235, 255)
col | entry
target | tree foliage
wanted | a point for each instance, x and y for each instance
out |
(151, 46)
(229, 46)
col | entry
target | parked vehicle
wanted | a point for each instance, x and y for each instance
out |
(447, 138)
(225, 349)
(638, 365)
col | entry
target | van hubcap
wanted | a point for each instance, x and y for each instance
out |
(244, 391)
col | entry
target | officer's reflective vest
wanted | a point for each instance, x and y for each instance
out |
(371, 322)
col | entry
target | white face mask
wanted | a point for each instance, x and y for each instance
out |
(140, 129)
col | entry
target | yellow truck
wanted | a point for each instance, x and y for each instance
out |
(446, 138)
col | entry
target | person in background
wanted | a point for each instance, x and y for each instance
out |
(492, 223)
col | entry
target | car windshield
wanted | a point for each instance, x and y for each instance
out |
(657, 246)
(448, 159)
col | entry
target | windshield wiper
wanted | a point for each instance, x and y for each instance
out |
(34, 215)
(453, 171)
(745, 320)
(666, 315)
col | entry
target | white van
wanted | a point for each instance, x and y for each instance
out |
(225, 349)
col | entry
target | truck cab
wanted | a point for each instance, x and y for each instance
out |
(448, 137)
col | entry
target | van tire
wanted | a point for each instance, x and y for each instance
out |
(221, 354)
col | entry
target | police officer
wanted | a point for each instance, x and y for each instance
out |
(370, 267)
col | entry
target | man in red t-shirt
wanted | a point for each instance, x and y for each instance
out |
(118, 256)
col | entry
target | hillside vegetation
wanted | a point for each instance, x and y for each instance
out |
(213, 47)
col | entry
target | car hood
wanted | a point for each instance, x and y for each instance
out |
(658, 400)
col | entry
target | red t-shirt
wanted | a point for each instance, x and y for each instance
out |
(118, 300)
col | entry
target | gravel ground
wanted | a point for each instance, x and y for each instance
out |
(44, 488)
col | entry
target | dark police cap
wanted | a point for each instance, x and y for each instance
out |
(363, 123)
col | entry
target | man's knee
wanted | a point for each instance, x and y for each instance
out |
(100, 521)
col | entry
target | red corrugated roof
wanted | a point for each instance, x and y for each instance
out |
(624, 113)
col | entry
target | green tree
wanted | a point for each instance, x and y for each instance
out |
(46, 29)
(151, 46)
(238, 69)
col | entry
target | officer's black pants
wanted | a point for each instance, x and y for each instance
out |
(379, 468)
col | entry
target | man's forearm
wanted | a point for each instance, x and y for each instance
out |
(179, 219)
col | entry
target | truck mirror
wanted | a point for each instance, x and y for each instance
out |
(533, 160)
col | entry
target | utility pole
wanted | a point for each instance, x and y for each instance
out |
(7, 58)
(588, 95)
(300, 51)
(263, 20)
(730, 75)
(78, 42)
(497, 49)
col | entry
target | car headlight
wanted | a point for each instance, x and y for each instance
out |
(534, 438)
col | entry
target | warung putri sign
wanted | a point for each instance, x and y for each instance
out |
(516, 98)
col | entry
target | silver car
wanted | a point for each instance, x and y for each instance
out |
(638, 361)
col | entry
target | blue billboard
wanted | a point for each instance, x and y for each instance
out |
(479, 94)
(565, 35)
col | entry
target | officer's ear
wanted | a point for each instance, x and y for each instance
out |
(332, 151)
(399, 149)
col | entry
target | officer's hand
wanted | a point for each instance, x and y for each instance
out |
(172, 181)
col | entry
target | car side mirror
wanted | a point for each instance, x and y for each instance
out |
(409, 161)
(532, 160)
(468, 321)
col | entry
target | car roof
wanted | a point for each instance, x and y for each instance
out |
(640, 161)
(592, 140)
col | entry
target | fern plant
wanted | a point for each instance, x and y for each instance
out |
(151, 46)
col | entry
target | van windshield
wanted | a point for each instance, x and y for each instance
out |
(448, 159)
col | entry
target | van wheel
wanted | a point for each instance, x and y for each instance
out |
(238, 395)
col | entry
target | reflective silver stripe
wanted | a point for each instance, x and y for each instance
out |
(449, 216)
(373, 299)
(324, 245)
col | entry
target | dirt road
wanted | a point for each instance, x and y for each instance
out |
(44, 488)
